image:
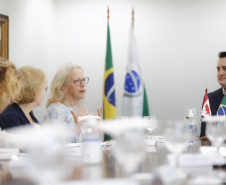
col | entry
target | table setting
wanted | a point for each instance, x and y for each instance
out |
(133, 156)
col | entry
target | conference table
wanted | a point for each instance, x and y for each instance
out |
(109, 169)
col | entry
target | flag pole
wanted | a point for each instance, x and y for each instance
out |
(133, 17)
(206, 90)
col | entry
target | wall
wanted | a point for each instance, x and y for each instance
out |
(178, 42)
(32, 36)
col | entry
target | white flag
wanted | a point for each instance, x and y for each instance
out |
(134, 97)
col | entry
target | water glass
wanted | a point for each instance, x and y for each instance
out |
(129, 150)
(216, 129)
(152, 124)
(46, 159)
(177, 137)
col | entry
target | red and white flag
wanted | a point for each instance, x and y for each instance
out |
(206, 112)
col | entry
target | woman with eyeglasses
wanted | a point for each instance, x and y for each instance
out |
(33, 86)
(67, 90)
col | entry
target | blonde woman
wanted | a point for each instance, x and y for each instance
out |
(9, 84)
(67, 90)
(33, 86)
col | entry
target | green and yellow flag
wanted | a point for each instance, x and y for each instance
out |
(222, 109)
(109, 107)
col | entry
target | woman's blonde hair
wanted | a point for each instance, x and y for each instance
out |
(32, 80)
(9, 82)
(56, 91)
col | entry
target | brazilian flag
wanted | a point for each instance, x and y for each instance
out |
(109, 107)
(222, 109)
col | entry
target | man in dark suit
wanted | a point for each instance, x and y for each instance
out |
(216, 97)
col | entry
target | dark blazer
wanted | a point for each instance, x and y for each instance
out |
(13, 116)
(215, 99)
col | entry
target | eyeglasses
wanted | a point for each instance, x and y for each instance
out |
(84, 80)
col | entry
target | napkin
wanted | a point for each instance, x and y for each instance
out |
(205, 179)
(160, 140)
(8, 153)
(196, 160)
(73, 150)
(150, 142)
(211, 150)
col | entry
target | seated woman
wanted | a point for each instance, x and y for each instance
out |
(33, 86)
(68, 89)
(9, 83)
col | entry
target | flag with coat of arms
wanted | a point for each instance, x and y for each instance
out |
(135, 102)
(206, 111)
(109, 107)
(222, 109)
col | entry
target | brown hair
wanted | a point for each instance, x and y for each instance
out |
(9, 83)
(32, 80)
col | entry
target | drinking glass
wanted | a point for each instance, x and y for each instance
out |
(177, 138)
(83, 120)
(129, 150)
(216, 130)
(152, 124)
(46, 159)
